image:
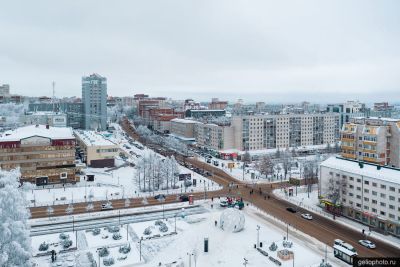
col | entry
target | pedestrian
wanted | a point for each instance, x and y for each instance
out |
(363, 231)
(265, 197)
(215, 223)
(212, 199)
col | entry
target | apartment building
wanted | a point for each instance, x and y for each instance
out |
(374, 140)
(368, 193)
(214, 136)
(256, 132)
(44, 154)
(96, 151)
(217, 104)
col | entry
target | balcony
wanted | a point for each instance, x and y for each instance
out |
(348, 155)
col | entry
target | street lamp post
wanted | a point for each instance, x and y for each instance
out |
(140, 248)
(258, 236)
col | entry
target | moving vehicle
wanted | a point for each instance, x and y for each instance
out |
(216, 163)
(344, 254)
(367, 243)
(159, 196)
(306, 216)
(106, 206)
(208, 160)
(291, 209)
(341, 243)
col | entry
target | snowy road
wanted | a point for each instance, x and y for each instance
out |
(58, 227)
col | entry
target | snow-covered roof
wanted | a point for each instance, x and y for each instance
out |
(184, 121)
(391, 175)
(92, 138)
(53, 133)
(207, 110)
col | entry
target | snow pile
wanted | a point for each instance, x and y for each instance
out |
(232, 220)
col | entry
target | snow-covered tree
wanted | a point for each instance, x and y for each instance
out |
(265, 166)
(15, 242)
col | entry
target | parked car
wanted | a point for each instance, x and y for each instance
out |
(367, 243)
(306, 216)
(223, 203)
(106, 206)
(183, 198)
(291, 209)
(208, 160)
(159, 196)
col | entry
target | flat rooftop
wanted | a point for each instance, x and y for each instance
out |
(53, 133)
(387, 174)
(92, 138)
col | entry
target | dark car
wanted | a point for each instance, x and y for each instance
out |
(159, 197)
(183, 198)
(291, 209)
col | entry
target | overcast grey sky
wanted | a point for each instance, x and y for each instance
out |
(256, 50)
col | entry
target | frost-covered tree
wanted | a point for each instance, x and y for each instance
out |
(155, 172)
(15, 242)
(265, 166)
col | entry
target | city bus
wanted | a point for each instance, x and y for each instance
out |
(344, 254)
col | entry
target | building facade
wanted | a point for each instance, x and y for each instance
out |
(214, 136)
(55, 119)
(183, 129)
(44, 154)
(375, 140)
(366, 192)
(4, 90)
(73, 110)
(257, 132)
(95, 150)
(94, 99)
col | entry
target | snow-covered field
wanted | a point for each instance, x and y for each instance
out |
(310, 202)
(165, 248)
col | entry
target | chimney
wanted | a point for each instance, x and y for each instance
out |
(47, 126)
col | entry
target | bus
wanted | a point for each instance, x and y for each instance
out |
(344, 254)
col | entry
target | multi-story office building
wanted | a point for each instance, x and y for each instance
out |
(183, 129)
(95, 150)
(74, 111)
(214, 136)
(55, 119)
(348, 110)
(94, 98)
(4, 90)
(375, 140)
(204, 113)
(257, 132)
(44, 154)
(365, 192)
